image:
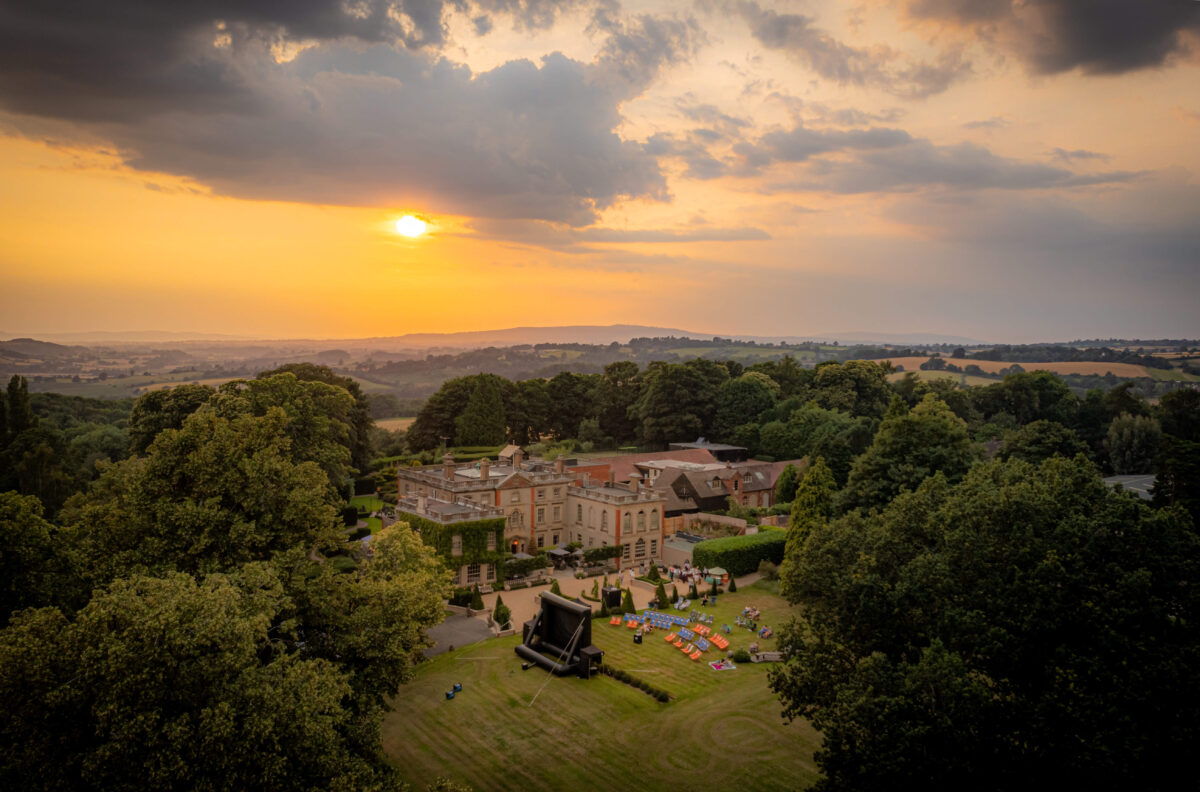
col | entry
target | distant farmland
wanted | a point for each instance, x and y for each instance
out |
(1074, 367)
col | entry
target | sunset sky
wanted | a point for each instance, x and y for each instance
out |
(1009, 170)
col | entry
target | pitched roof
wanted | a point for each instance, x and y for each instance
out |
(624, 466)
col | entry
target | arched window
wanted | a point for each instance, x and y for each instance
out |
(641, 521)
(515, 519)
(604, 521)
(654, 518)
(628, 522)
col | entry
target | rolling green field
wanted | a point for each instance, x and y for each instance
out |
(527, 730)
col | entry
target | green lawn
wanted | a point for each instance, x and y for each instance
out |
(720, 727)
(368, 502)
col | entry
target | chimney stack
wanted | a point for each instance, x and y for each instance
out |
(635, 482)
(612, 477)
(485, 469)
(560, 464)
(518, 458)
(448, 466)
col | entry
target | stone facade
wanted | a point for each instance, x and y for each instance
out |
(546, 506)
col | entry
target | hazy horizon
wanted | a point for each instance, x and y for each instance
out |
(1020, 173)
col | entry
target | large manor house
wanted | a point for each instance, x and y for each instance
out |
(624, 501)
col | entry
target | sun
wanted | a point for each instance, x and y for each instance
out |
(411, 226)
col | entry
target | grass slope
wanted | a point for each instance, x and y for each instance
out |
(600, 733)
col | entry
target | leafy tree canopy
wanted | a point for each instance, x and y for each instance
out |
(1028, 623)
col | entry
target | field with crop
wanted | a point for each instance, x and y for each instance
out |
(1071, 367)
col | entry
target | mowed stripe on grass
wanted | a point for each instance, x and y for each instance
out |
(722, 726)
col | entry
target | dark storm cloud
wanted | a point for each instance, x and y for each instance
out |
(1097, 36)
(183, 91)
(877, 67)
(125, 59)
(882, 159)
(533, 14)
(963, 166)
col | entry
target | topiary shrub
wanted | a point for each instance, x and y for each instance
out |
(349, 515)
(660, 594)
(692, 593)
(627, 601)
(674, 594)
(554, 589)
(653, 573)
(741, 656)
(501, 614)
(476, 598)
(732, 585)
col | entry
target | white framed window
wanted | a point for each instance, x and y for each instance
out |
(639, 549)
(491, 540)
(491, 572)
(654, 518)
(641, 521)
(653, 547)
(557, 513)
(541, 541)
(472, 573)
(456, 545)
(579, 512)
(541, 514)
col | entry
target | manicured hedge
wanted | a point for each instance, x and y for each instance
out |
(740, 555)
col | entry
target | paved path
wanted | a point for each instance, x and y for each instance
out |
(456, 630)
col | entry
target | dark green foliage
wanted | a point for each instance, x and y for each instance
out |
(33, 569)
(158, 410)
(482, 420)
(812, 431)
(739, 555)
(660, 593)
(678, 401)
(476, 598)
(812, 507)
(349, 515)
(523, 566)
(1178, 479)
(652, 573)
(858, 387)
(19, 415)
(620, 387)
(1041, 440)
(436, 419)
(501, 614)
(908, 448)
(593, 555)
(1029, 397)
(740, 656)
(622, 675)
(358, 417)
(1133, 443)
(604, 612)
(674, 594)
(741, 400)
(1028, 623)
(732, 585)
(785, 486)
(692, 593)
(474, 535)
(627, 605)
(554, 587)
